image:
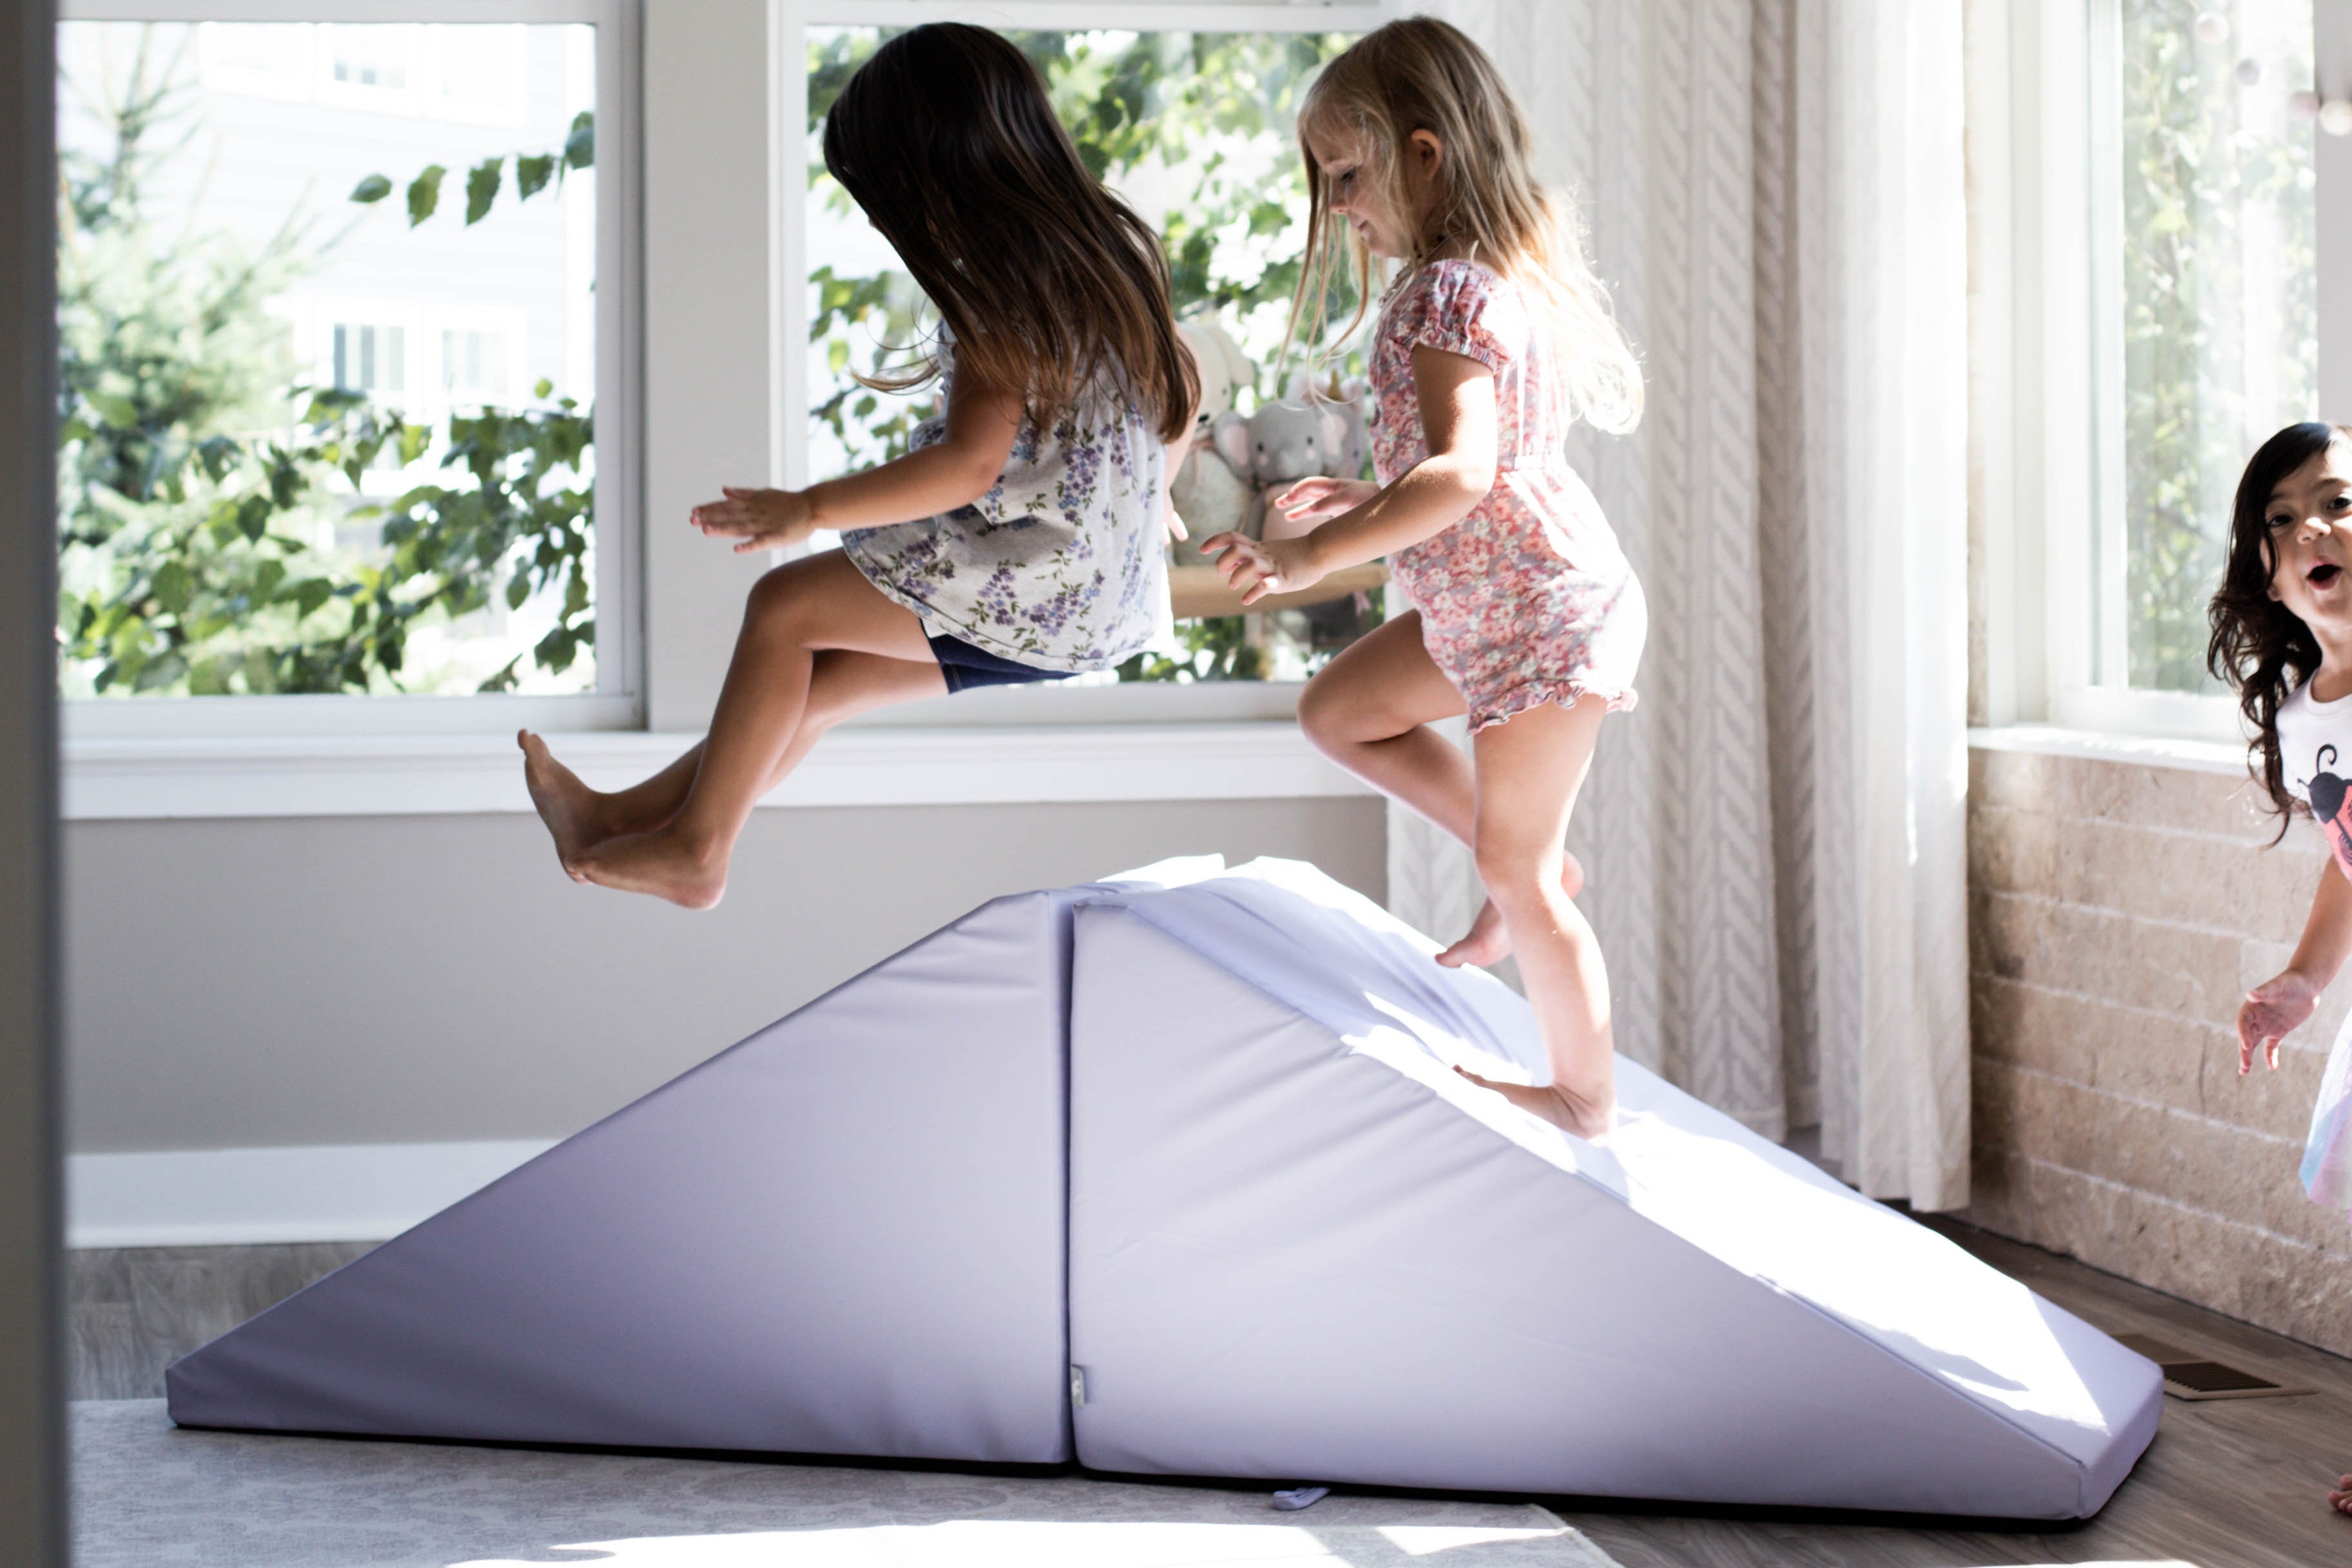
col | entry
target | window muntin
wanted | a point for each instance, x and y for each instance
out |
(1194, 131)
(278, 139)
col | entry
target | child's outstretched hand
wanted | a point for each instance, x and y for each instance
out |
(1257, 567)
(762, 520)
(1311, 500)
(2271, 1011)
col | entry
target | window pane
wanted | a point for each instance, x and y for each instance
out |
(1194, 131)
(328, 345)
(2219, 319)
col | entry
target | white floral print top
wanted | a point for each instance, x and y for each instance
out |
(1063, 564)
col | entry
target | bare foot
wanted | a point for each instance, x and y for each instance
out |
(1488, 943)
(1570, 1111)
(564, 803)
(2340, 1500)
(665, 863)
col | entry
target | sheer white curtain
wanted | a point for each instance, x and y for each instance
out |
(1774, 839)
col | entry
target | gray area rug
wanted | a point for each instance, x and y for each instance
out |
(148, 1495)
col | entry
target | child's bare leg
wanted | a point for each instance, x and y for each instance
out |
(580, 818)
(1529, 771)
(1368, 711)
(796, 611)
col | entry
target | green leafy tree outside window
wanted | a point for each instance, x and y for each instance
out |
(201, 493)
(2220, 296)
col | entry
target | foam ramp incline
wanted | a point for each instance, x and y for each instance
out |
(1302, 1248)
(844, 1236)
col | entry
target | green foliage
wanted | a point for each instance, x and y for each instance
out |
(425, 194)
(1215, 649)
(484, 180)
(160, 335)
(223, 582)
(1191, 116)
(2219, 331)
(214, 536)
(482, 188)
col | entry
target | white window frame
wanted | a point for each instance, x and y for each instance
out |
(618, 701)
(1045, 704)
(2049, 379)
(1215, 740)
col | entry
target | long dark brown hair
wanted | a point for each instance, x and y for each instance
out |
(2259, 646)
(1048, 284)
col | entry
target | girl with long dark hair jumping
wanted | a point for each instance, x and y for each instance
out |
(1020, 540)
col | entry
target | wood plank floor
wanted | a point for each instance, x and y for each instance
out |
(135, 1310)
(2227, 1484)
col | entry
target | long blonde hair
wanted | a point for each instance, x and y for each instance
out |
(1422, 74)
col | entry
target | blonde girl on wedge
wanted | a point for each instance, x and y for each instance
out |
(1493, 339)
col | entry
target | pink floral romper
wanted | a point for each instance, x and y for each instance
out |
(1530, 599)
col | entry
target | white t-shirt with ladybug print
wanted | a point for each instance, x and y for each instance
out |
(2316, 756)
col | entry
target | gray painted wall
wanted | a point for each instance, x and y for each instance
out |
(258, 983)
(32, 1462)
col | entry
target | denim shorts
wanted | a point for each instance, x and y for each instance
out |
(966, 666)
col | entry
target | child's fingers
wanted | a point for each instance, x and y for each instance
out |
(730, 523)
(2249, 1033)
(2247, 1049)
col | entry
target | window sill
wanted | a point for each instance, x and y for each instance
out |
(411, 776)
(2144, 751)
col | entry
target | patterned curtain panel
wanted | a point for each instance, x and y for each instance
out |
(1773, 840)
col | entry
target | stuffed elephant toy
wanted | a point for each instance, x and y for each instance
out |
(1283, 442)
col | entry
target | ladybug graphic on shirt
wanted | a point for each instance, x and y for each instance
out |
(2327, 792)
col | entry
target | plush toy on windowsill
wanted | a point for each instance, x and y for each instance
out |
(1310, 432)
(1208, 494)
(1239, 463)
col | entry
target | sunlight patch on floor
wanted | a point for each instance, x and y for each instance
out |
(1041, 1543)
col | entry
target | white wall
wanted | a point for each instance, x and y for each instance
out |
(430, 979)
(708, 403)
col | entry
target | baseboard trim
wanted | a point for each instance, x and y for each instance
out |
(229, 1197)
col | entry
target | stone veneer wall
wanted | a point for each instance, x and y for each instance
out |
(2118, 911)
